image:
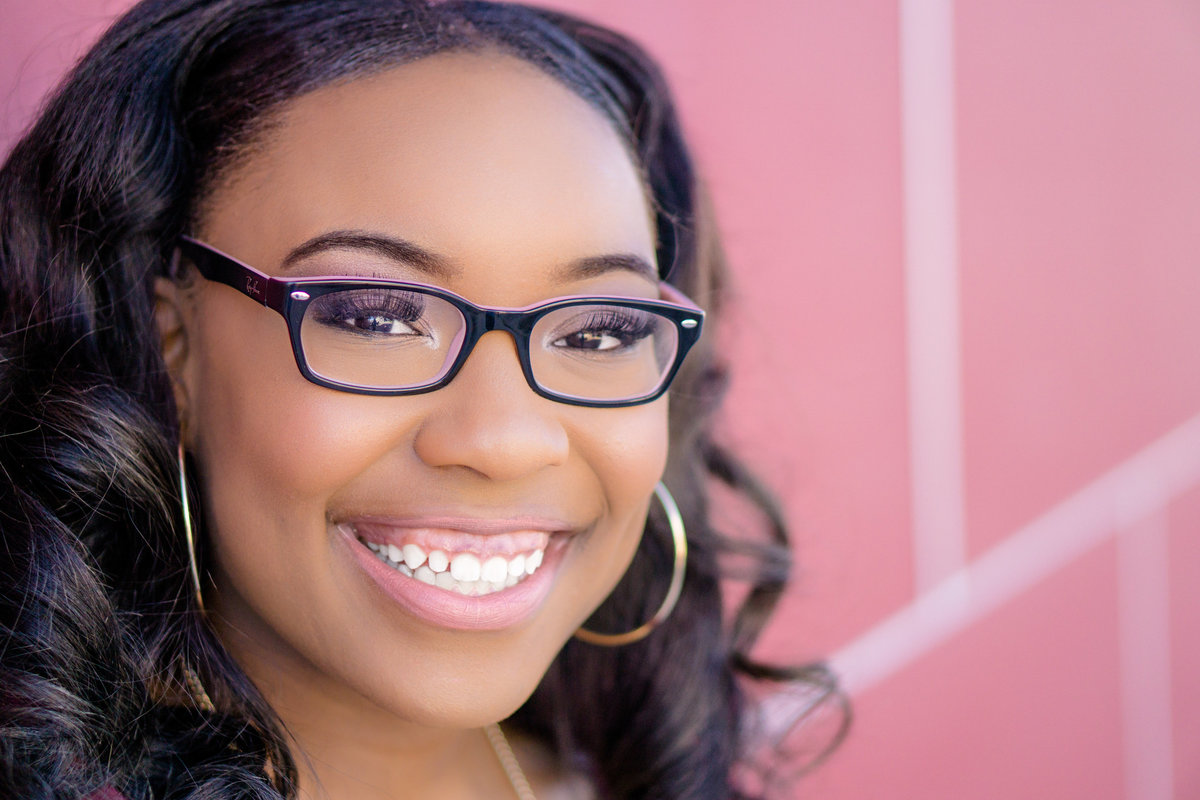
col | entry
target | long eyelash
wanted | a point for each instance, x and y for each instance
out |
(404, 306)
(629, 324)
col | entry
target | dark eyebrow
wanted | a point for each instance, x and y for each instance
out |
(593, 266)
(394, 248)
(406, 252)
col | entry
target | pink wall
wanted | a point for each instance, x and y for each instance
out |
(969, 360)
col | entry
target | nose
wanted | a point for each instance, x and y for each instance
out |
(489, 420)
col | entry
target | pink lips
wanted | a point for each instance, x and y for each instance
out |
(449, 609)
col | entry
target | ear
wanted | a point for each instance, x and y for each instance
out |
(171, 319)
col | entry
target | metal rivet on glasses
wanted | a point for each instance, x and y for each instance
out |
(689, 323)
(298, 295)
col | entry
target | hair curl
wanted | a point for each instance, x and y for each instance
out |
(99, 627)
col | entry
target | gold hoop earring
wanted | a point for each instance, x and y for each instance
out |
(186, 512)
(679, 540)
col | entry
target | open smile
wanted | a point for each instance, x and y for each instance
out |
(470, 565)
(456, 578)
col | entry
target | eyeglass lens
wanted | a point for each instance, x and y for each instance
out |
(384, 338)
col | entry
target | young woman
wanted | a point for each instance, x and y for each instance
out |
(335, 341)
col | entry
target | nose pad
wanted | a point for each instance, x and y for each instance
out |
(490, 420)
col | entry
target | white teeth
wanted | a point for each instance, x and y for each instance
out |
(464, 573)
(495, 570)
(413, 556)
(438, 561)
(466, 568)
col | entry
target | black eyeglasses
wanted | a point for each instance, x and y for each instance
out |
(384, 337)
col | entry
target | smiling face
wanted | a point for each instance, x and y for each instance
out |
(508, 183)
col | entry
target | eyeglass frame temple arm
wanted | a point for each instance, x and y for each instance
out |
(224, 268)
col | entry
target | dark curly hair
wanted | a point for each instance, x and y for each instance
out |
(100, 631)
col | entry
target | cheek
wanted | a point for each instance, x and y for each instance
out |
(625, 448)
(271, 444)
(257, 416)
(626, 451)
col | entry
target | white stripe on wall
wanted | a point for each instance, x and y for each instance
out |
(931, 278)
(1068, 530)
(1144, 632)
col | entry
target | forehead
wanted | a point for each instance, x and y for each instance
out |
(475, 156)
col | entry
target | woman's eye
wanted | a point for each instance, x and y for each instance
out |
(607, 331)
(593, 340)
(381, 324)
(372, 312)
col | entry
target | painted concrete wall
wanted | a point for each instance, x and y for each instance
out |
(967, 241)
